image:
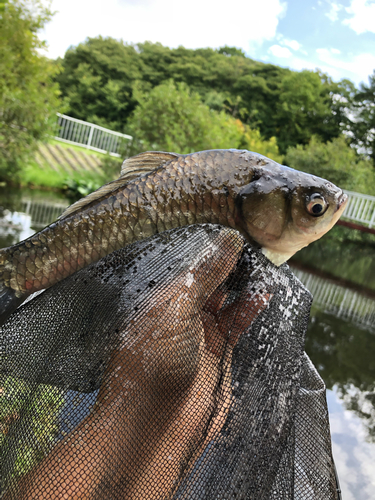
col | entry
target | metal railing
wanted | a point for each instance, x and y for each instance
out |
(340, 301)
(91, 136)
(360, 208)
(42, 213)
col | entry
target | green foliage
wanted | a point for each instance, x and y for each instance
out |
(96, 81)
(103, 79)
(231, 51)
(111, 167)
(335, 161)
(253, 141)
(38, 409)
(363, 125)
(28, 97)
(173, 118)
(34, 175)
(79, 188)
(304, 106)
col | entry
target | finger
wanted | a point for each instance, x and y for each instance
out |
(240, 315)
(212, 267)
(225, 327)
(215, 301)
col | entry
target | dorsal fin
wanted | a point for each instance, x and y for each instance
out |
(145, 162)
(133, 167)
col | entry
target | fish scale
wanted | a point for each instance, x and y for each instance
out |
(158, 191)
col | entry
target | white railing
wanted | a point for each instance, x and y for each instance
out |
(42, 213)
(91, 136)
(360, 208)
(340, 301)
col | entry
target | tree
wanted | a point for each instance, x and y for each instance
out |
(173, 118)
(231, 51)
(335, 161)
(253, 141)
(28, 97)
(100, 77)
(97, 81)
(363, 123)
(304, 109)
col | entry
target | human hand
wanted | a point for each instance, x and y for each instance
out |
(159, 402)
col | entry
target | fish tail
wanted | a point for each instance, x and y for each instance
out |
(9, 299)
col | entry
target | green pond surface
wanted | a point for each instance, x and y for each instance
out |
(340, 338)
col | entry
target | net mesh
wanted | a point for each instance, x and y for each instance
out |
(171, 369)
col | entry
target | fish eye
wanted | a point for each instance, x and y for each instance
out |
(316, 205)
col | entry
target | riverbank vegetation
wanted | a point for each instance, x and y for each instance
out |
(29, 95)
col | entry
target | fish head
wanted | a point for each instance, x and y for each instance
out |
(283, 210)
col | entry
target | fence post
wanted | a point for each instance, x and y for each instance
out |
(90, 137)
(372, 220)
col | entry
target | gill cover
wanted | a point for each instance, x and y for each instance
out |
(264, 204)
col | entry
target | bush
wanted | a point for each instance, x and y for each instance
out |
(172, 118)
(335, 161)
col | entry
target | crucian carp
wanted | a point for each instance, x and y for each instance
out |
(274, 207)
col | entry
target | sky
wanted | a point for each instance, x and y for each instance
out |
(337, 37)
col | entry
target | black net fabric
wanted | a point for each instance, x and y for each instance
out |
(171, 369)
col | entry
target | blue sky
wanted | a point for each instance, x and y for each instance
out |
(336, 36)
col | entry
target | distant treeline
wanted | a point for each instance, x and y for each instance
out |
(185, 100)
(99, 78)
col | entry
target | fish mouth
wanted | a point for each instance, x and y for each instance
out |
(342, 201)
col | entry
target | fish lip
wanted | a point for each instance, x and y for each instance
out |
(341, 202)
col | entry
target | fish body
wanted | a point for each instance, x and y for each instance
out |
(276, 208)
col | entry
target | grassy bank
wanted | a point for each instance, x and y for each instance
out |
(64, 167)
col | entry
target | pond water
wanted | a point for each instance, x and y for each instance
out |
(340, 338)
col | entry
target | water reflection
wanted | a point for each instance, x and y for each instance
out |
(23, 213)
(354, 456)
(340, 301)
(343, 352)
(344, 356)
(344, 253)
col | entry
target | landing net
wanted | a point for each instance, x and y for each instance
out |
(171, 369)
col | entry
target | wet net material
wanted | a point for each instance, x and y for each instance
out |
(171, 369)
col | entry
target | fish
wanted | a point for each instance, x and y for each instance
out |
(276, 208)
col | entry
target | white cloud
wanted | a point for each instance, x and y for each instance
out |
(331, 61)
(354, 457)
(278, 51)
(355, 67)
(293, 44)
(193, 24)
(334, 10)
(363, 16)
